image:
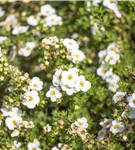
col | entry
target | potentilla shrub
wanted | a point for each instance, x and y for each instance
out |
(67, 75)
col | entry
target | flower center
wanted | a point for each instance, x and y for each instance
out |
(133, 101)
(28, 48)
(107, 123)
(111, 2)
(118, 96)
(70, 77)
(30, 98)
(80, 123)
(35, 85)
(117, 126)
(34, 148)
(70, 43)
(9, 109)
(82, 132)
(14, 122)
(59, 78)
(53, 92)
(82, 83)
(101, 133)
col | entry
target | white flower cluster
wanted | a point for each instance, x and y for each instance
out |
(69, 81)
(113, 5)
(14, 120)
(73, 49)
(111, 56)
(27, 50)
(110, 125)
(30, 97)
(12, 22)
(61, 146)
(79, 128)
(130, 107)
(51, 18)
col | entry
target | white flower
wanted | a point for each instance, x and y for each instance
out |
(17, 144)
(13, 122)
(47, 10)
(27, 50)
(2, 39)
(101, 134)
(118, 96)
(95, 29)
(2, 12)
(112, 47)
(117, 126)
(47, 128)
(32, 20)
(36, 84)
(106, 123)
(57, 78)
(34, 146)
(129, 112)
(55, 148)
(54, 93)
(82, 133)
(70, 44)
(117, 13)
(69, 78)
(110, 4)
(104, 71)
(68, 90)
(81, 123)
(31, 99)
(113, 86)
(112, 57)
(102, 54)
(11, 111)
(20, 29)
(112, 78)
(15, 133)
(53, 20)
(82, 84)
(77, 55)
(131, 100)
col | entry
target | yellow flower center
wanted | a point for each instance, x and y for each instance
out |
(28, 48)
(101, 133)
(14, 122)
(30, 98)
(107, 123)
(134, 101)
(59, 78)
(53, 92)
(82, 83)
(80, 123)
(9, 109)
(70, 77)
(118, 96)
(35, 85)
(34, 148)
(117, 126)
(70, 43)
(111, 2)
(82, 132)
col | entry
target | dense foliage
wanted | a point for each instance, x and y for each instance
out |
(67, 75)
